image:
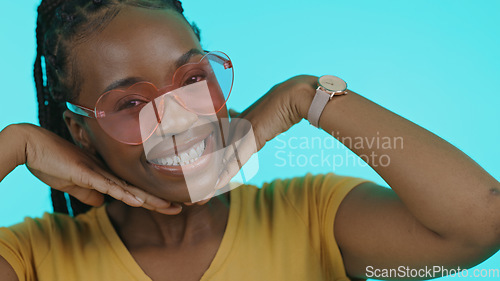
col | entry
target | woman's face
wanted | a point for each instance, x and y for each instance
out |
(148, 45)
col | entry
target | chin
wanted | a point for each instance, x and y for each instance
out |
(191, 174)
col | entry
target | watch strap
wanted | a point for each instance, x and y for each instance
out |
(318, 104)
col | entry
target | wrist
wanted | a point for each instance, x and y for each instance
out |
(328, 87)
(301, 99)
(14, 141)
(12, 149)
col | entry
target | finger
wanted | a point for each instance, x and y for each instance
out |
(241, 148)
(103, 182)
(245, 148)
(224, 175)
(88, 196)
(173, 209)
(238, 129)
(135, 193)
(124, 192)
(148, 198)
(230, 170)
(106, 185)
(207, 198)
(241, 151)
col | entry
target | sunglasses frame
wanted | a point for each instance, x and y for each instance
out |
(96, 114)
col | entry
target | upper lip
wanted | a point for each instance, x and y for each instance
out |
(166, 147)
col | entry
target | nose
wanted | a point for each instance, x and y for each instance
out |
(175, 118)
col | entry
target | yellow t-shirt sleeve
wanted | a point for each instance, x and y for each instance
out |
(316, 199)
(59, 247)
(21, 245)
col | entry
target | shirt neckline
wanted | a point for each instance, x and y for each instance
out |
(126, 258)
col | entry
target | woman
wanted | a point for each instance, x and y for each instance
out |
(172, 239)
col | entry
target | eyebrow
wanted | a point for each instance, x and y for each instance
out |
(187, 56)
(129, 81)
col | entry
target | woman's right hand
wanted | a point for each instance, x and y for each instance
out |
(65, 167)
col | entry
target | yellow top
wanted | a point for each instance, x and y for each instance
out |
(282, 231)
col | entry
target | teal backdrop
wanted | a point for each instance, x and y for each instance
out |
(435, 62)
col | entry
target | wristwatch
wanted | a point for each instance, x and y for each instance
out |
(329, 86)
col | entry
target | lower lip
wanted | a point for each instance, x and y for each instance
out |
(196, 166)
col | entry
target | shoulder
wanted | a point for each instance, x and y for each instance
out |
(303, 193)
(303, 210)
(26, 245)
(52, 223)
(37, 228)
(309, 185)
(35, 236)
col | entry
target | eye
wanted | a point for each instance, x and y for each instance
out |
(194, 78)
(131, 102)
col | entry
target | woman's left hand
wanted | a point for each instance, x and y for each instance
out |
(271, 115)
(278, 110)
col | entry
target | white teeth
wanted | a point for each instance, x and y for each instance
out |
(170, 161)
(163, 161)
(199, 149)
(186, 157)
(177, 160)
(193, 154)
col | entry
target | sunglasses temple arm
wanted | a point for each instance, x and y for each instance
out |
(225, 62)
(80, 110)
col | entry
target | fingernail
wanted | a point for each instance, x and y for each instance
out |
(134, 198)
(175, 206)
(203, 202)
(217, 185)
(139, 200)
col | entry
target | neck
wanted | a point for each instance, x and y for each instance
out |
(142, 228)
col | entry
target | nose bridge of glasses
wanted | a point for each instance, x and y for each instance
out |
(172, 117)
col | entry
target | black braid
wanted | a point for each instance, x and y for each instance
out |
(59, 24)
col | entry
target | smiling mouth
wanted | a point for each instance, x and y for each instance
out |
(185, 157)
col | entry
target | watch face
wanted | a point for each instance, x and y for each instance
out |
(332, 83)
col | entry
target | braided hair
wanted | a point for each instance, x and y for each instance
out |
(61, 24)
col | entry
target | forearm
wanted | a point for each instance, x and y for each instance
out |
(441, 186)
(12, 149)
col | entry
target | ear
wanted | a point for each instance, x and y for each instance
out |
(79, 131)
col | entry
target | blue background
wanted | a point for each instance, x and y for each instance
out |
(436, 63)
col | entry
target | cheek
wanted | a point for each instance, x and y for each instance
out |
(117, 156)
(223, 113)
